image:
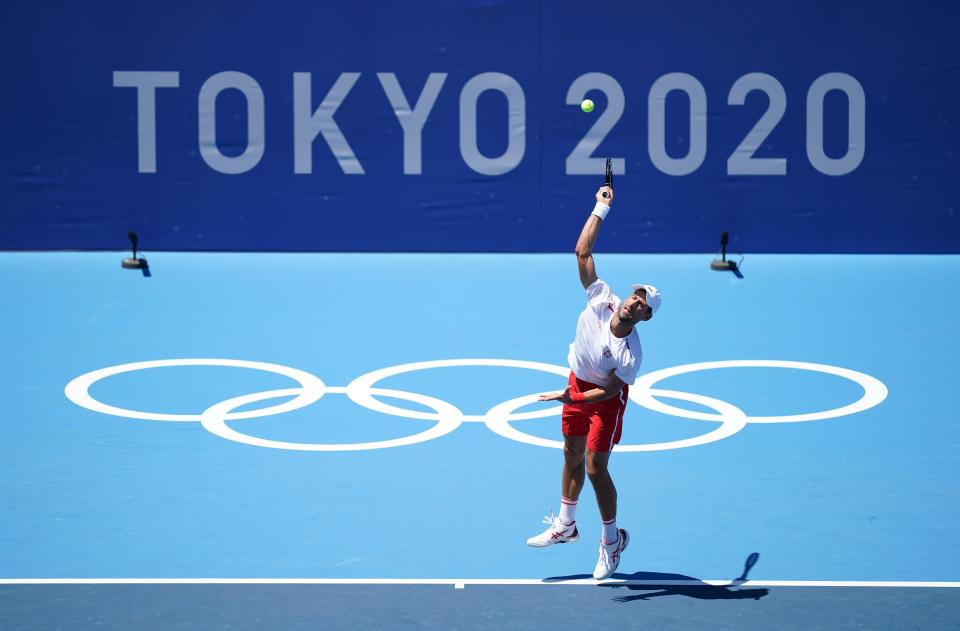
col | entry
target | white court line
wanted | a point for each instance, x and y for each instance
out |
(460, 582)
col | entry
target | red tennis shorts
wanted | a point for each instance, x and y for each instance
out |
(601, 422)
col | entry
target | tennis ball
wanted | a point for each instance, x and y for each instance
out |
(586, 105)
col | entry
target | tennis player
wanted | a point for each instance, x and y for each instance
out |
(604, 358)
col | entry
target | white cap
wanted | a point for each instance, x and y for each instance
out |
(653, 296)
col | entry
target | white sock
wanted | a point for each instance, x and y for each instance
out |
(568, 511)
(610, 531)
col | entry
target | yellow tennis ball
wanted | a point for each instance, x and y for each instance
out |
(586, 105)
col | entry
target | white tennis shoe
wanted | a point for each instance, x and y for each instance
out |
(610, 555)
(556, 533)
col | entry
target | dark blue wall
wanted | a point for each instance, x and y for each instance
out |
(882, 81)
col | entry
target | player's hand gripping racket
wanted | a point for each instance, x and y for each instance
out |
(609, 176)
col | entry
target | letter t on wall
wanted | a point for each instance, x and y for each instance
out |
(146, 83)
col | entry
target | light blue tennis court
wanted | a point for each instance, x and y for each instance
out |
(868, 496)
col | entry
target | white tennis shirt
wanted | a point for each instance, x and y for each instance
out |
(596, 353)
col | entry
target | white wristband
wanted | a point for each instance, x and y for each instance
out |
(600, 210)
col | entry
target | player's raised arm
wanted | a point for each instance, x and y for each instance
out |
(588, 236)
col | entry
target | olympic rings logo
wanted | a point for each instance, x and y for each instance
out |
(448, 417)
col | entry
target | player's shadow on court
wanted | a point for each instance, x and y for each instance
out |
(699, 590)
(657, 584)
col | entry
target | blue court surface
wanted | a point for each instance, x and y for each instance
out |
(350, 441)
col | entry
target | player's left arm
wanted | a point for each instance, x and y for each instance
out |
(595, 395)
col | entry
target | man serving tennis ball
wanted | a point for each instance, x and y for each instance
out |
(604, 359)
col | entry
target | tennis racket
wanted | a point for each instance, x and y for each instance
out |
(609, 176)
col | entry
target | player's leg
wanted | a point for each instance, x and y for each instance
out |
(575, 421)
(574, 452)
(562, 528)
(606, 426)
(605, 429)
(576, 426)
(603, 486)
(614, 540)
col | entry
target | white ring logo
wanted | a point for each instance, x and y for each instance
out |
(448, 417)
